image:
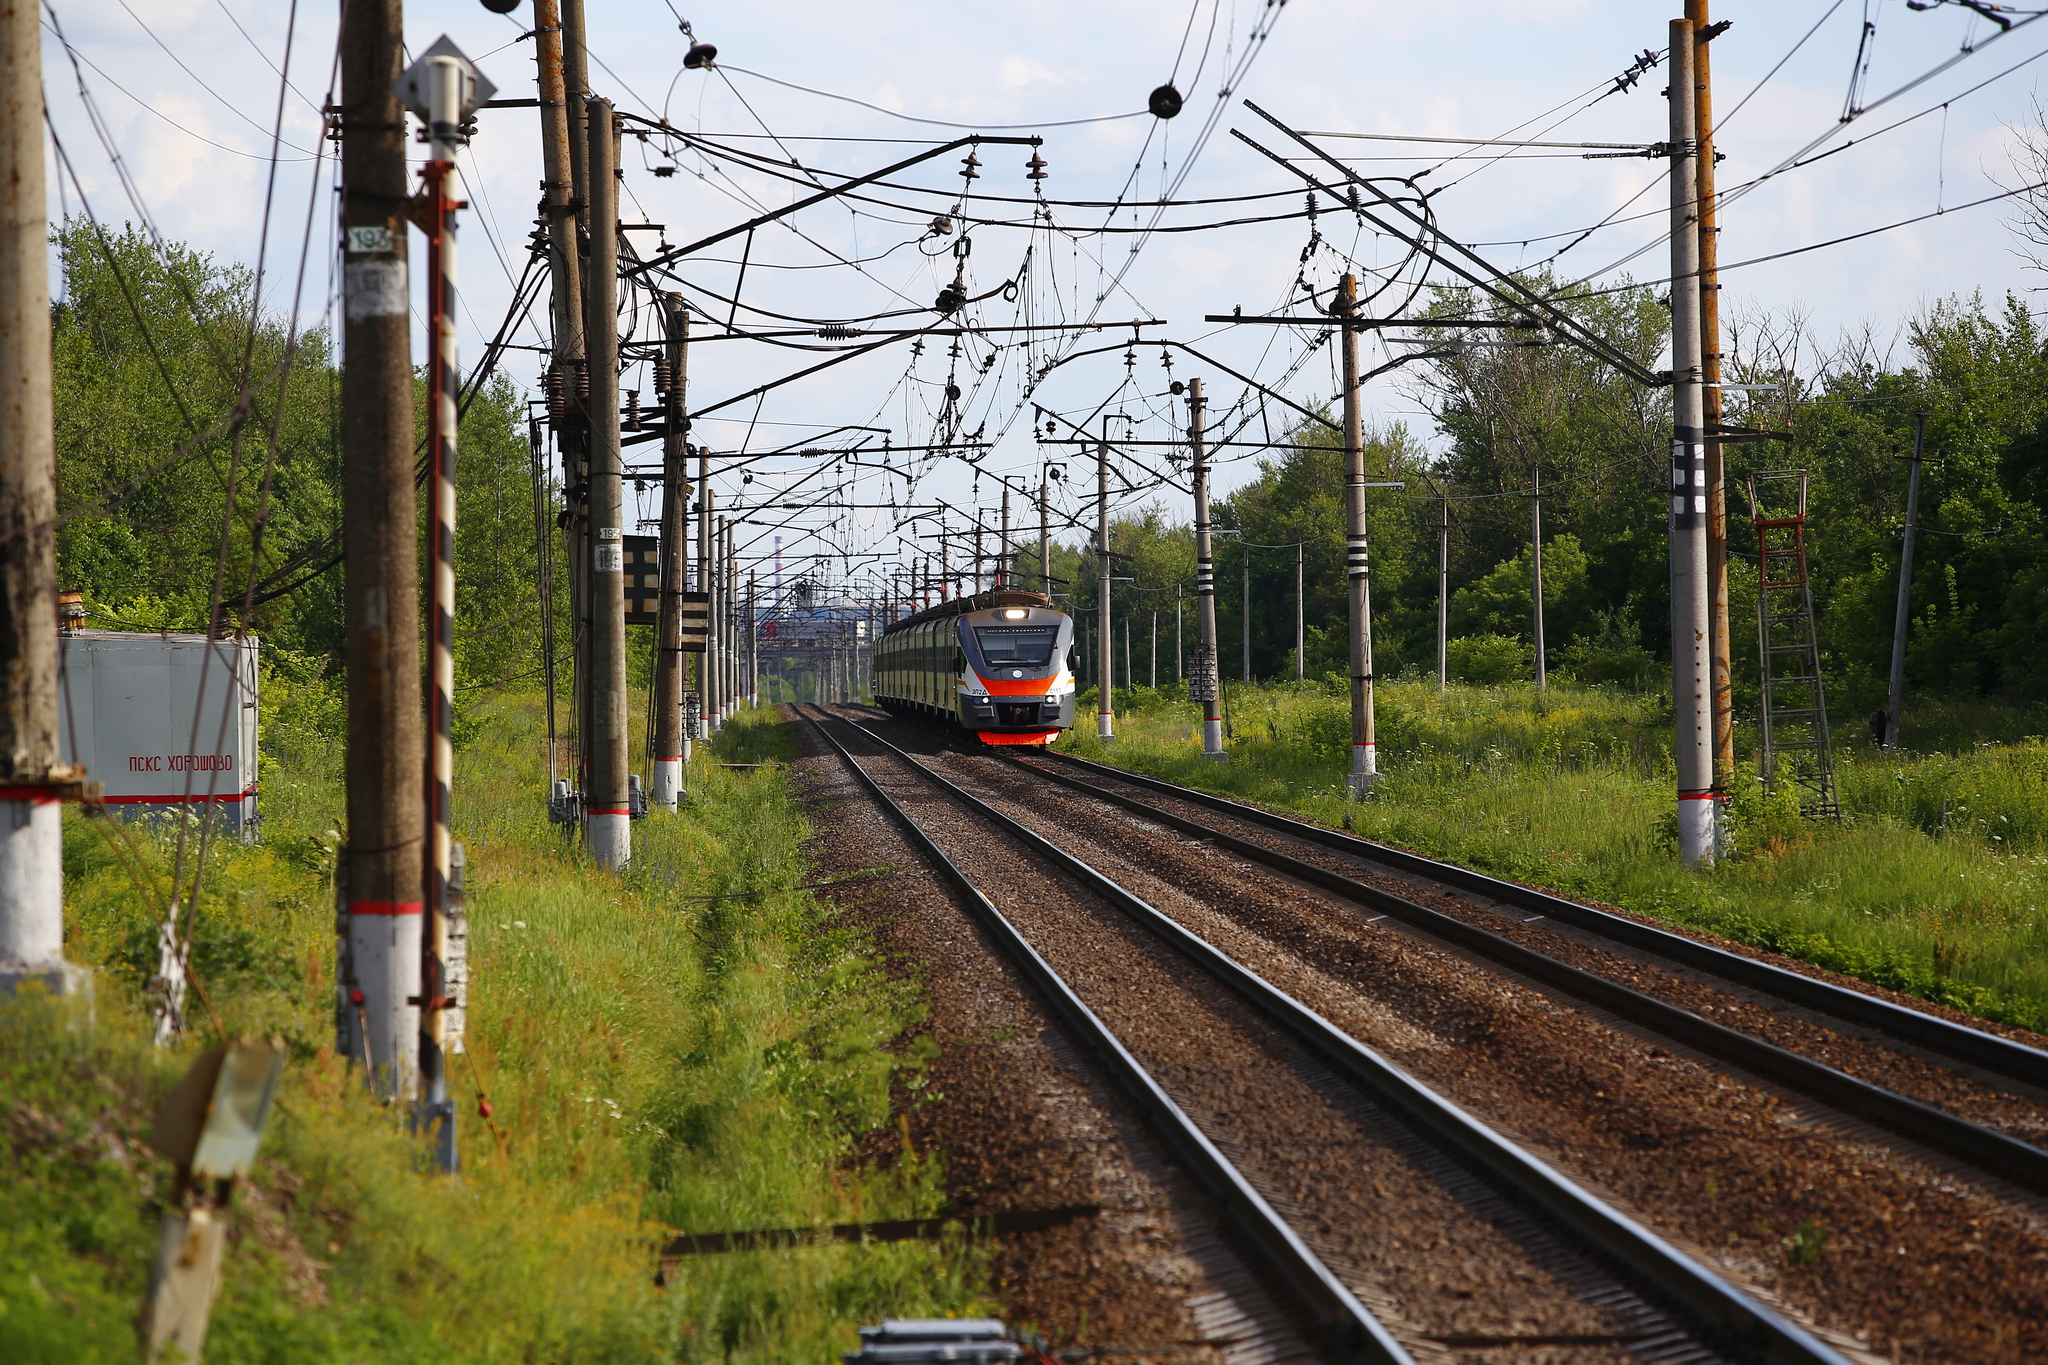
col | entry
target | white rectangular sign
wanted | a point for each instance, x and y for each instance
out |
(162, 720)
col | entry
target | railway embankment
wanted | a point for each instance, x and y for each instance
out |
(698, 1045)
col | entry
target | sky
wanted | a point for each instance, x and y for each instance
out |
(189, 95)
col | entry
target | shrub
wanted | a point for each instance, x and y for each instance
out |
(1487, 659)
(1614, 653)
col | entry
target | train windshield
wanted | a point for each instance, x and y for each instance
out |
(1016, 646)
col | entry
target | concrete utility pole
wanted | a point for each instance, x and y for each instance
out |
(1364, 744)
(1710, 402)
(1206, 685)
(576, 378)
(669, 742)
(1245, 615)
(735, 605)
(576, 85)
(707, 662)
(383, 865)
(1044, 540)
(1130, 678)
(32, 778)
(608, 824)
(1105, 718)
(1154, 681)
(1536, 568)
(1003, 565)
(1691, 661)
(1178, 646)
(753, 648)
(565, 269)
(1443, 595)
(728, 580)
(1300, 616)
(558, 184)
(1895, 694)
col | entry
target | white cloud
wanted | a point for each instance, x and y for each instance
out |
(1014, 73)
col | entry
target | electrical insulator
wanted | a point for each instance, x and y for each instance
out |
(968, 171)
(557, 394)
(664, 376)
(632, 409)
(583, 385)
(1037, 167)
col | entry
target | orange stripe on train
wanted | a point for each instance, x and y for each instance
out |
(1008, 687)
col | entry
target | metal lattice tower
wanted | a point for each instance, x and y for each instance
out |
(1796, 746)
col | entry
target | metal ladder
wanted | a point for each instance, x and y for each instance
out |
(1796, 745)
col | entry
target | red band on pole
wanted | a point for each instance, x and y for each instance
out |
(195, 799)
(610, 811)
(384, 907)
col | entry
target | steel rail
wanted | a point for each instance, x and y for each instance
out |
(1342, 1320)
(1984, 1148)
(1960, 1041)
(1735, 1322)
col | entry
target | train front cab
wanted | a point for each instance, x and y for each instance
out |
(1013, 683)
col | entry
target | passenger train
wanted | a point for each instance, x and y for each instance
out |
(994, 663)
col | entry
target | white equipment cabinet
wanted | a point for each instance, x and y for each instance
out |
(162, 720)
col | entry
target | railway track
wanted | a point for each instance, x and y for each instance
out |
(1995, 1154)
(1354, 1182)
(1900, 1024)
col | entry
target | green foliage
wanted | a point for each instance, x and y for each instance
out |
(1491, 659)
(173, 492)
(695, 1044)
(168, 484)
(1502, 602)
(1614, 653)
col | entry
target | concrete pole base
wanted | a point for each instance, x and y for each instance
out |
(384, 967)
(53, 978)
(1212, 741)
(1365, 769)
(1697, 830)
(1105, 727)
(668, 782)
(32, 880)
(610, 839)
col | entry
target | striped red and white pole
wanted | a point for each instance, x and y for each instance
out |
(438, 1040)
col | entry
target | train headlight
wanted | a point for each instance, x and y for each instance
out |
(1015, 613)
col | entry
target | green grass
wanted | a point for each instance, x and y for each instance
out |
(656, 1061)
(1575, 792)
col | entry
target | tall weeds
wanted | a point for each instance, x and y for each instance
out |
(691, 1046)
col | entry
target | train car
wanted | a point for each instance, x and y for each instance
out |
(994, 663)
